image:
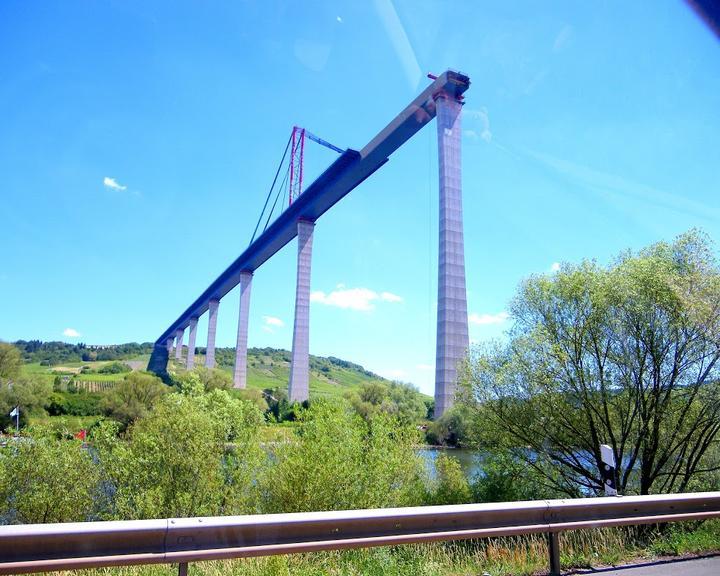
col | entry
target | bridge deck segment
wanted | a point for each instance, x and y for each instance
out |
(343, 175)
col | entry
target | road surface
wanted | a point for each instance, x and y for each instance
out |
(709, 566)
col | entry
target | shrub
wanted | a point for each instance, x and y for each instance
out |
(44, 480)
(451, 485)
(79, 403)
(176, 461)
(134, 397)
(115, 368)
(340, 461)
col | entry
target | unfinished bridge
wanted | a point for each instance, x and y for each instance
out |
(443, 100)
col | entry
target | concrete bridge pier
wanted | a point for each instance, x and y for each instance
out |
(179, 343)
(240, 372)
(452, 318)
(300, 366)
(159, 358)
(191, 344)
(212, 328)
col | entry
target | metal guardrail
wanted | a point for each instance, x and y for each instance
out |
(44, 547)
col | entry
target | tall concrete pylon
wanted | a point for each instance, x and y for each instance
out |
(178, 343)
(452, 319)
(240, 371)
(190, 364)
(300, 366)
(212, 328)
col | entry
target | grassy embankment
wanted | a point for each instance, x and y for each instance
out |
(499, 556)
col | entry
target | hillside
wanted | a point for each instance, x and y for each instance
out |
(267, 367)
(270, 368)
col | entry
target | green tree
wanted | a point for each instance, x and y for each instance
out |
(44, 479)
(193, 455)
(10, 362)
(115, 368)
(395, 398)
(625, 355)
(208, 378)
(341, 461)
(451, 485)
(134, 397)
(453, 428)
(30, 394)
(507, 478)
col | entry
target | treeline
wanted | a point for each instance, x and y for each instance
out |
(211, 443)
(54, 353)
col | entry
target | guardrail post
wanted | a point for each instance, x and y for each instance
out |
(554, 549)
(182, 569)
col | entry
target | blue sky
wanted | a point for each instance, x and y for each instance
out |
(138, 141)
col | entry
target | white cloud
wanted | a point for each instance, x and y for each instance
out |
(481, 115)
(352, 298)
(113, 184)
(555, 267)
(339, 19)
(71, 333)
(487, 319)
(390, 297)
(272, 321)
(268, 330)
(425, 367)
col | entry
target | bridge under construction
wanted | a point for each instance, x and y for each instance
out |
(442, 99)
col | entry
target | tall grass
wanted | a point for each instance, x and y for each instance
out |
(522, 555)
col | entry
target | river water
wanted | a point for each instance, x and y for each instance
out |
(470, 460)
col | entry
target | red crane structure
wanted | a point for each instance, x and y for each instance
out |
(297, 156)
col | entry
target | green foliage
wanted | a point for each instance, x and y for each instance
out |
(30, 394)
(78, 403)
(451, 485)
(257, 397)
(453, 428)
(114, 368)
(279, 408)
(10, 362)
(624, 355)
(176, 461)
(269, 368)
(393, 398)
(341, 461)
(688, 538)
(54, 353)
(207, 378)
(508, 478)
(134, 397)
(46, 480)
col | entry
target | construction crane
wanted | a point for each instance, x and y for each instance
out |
(294, 173)
(297, 154)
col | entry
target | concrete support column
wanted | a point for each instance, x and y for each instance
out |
(178, 344)
(212, 328)
(452, 319)
(169, 345)
(240, 372)
(191, 343)
(300, 366)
